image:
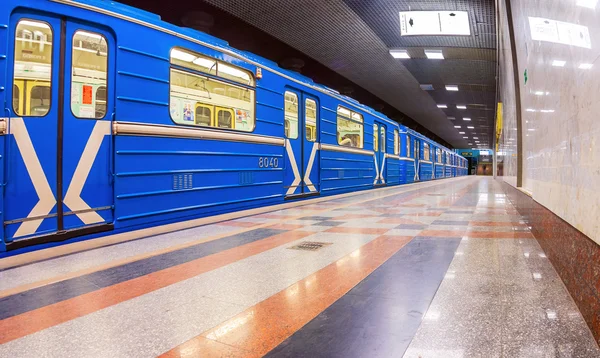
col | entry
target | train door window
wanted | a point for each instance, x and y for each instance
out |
(291, 115)
(375, 137)
(425, 151)
(396, 142)
(224, 118)
(16, 97)
(350, 128)
(416, 149)
(33, 66)
(383, 141)
(203, 115)
(311, 120)
(439, 155)
(407, 146)
(88, 74)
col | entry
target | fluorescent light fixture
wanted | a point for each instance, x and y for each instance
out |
(426, 87)
(456, 126)
(434, 54)
(461, 132)
(530, 110)
(590, 4)
(475, 137)
(466, 137)
(466, 119)
(399, 54)
(452, 88)
(559, 63)
(539, 93)
(470, 127)
(451, 118)
(585, 66)
(442, 106)
(461, 106)
(414, 23)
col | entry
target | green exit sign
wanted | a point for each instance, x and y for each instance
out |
(466, 154)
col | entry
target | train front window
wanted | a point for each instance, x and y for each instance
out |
(89, 67)
(291, 115)
(311, 120)
(33, 67)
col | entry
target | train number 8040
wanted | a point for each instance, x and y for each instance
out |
(268, 162)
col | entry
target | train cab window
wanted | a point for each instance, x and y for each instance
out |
(426, 151)
(198, 81)
(33, 67)
(16, 98)
(203, 115)
(383, 141)
(396, 142)
(291, 115)
(310, 112)
(350, 130)
(88, 74)
(224, 118)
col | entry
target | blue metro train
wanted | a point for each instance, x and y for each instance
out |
(120, 121)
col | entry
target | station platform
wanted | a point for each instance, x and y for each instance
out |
(437, 269)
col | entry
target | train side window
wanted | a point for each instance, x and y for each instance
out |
(291, 115)
(198, 80)
(425, 151)
(396, 142)
(89, 69)
(16, 98)
(33, 66)
(375, 137)
(350, 128)
(311, 120)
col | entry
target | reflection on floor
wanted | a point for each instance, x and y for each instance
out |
(436, 269)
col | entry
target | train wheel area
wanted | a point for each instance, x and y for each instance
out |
(362, 267)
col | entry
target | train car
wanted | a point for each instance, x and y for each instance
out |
(120, 121)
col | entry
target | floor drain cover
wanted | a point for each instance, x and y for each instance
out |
(310, 246)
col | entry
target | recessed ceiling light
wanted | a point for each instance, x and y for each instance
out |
(585, 66)
(557, 63)
(399, 54)
(461, 132)
(434, 54)
(426, 87)
(456, 126)
(442, 106)
(475, 137)
(452, 88)
(470, 127)
(461, 106)
(451, 118)
(466, 137)
(466, 119)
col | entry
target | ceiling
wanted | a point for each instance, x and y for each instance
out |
(354, 37)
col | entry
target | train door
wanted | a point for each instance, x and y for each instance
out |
(58, 181)
(302, 176)
(417, 151)
(379, 149)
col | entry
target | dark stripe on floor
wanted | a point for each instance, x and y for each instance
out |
(380, 316)
(64, 290)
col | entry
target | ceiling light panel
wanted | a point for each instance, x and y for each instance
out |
(466, 119)
(452, 88)
(426, 87)
(442, 106)
(461, 106)
(414, 23)
(399, 54)
(434, 54)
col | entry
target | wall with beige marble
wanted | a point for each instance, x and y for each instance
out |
(558, 44)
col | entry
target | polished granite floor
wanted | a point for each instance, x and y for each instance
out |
(437, 269)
